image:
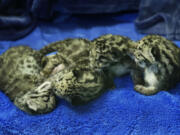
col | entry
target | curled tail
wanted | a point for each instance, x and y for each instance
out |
(60, 46)
(50, 48)
(56, 46)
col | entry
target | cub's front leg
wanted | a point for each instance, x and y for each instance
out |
(52, 64)
(145, 81)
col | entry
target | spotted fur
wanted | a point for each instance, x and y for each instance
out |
(157, 64)
(19, 75)
(110, 53)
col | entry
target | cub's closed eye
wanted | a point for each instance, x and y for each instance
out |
(139, 55)
(75, 72)
(102, 58)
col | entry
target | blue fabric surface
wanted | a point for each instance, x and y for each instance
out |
(121, 111)
(159, 17)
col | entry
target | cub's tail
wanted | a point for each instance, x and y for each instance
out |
(50, 48)
(56, 46)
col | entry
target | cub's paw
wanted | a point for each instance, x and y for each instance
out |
(146, 90)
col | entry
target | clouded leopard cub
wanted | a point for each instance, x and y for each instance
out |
(89, 63)
(110, 54)
(69, 72)
(99, 54)
(77, 85)
(70, 53)
(19, 75)
(157, 64)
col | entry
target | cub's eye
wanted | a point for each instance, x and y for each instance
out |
(102, 58)
(75, 72)
(154, 51)
(138, 55)
(142, 64)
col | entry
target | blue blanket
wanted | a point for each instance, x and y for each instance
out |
(121, 111)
